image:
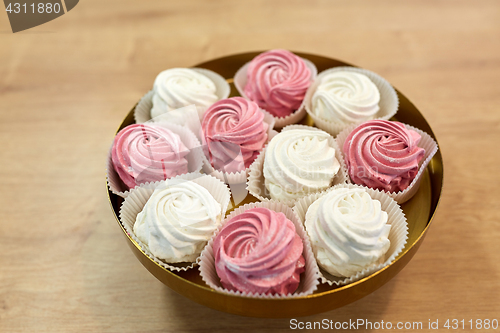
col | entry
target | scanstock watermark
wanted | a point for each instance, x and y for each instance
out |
(358, 324)
(28, 14)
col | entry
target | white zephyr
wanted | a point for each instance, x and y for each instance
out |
(299, 162)
(348, 231)
(346, 97)
(177, 221)
(179, 87)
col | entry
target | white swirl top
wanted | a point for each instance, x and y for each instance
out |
(177, 221)
(298, 162)
(348, 231)
(346, 97)
(179, 87)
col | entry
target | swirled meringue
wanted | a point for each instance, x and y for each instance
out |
(298, 162)
(177, 221)
(277, 81)
(346, 97)
(383, 155)
(179, 87)
(258, 251)
(348, 231)
(234, 132)
(146, 153)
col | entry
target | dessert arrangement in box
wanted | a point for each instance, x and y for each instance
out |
(328, 197)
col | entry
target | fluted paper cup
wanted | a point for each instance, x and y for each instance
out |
(135, 202)
(426, 142)
(308, 279)
(389, 101)
(187, 117)
(398, 234)
(195, 158)
(240, 81)
(142, 112)
(256, 181)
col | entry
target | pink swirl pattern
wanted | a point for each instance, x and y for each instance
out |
(277, 81)
(259, 252)
(146, 153)
(233, 131)
(383, 155)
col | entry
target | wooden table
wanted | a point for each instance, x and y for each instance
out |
(66, 85)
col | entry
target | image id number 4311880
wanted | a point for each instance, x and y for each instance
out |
(40, 8)
(31, 13)
(477, 324)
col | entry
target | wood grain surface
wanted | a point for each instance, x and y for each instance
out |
(66, 85)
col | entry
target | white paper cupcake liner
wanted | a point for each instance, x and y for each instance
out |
(426, 142)
(187, 117)
(240, 81)
(136, 200)
(398, 234)
(239, 177)
(142, 112)
(195, 158)
(256, 181)
(389, 101)
(308, 279)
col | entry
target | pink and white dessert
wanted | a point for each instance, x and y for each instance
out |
(259, 252)
(383, 155)
(147, 153)
(277, 81)
(234, 132)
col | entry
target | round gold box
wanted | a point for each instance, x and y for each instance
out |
(419, 212)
